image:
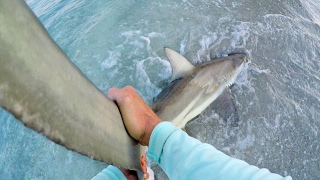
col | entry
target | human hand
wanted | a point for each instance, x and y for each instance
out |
(129, 174)
(132, 175)
(138, 117)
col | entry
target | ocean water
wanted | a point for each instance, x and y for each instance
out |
(119, 43)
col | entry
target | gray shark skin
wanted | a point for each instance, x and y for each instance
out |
(197, 86)
(42, 88)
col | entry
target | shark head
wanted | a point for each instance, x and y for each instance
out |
(195, 87)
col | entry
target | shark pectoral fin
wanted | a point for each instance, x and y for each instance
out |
(224, 105)
(180, 65)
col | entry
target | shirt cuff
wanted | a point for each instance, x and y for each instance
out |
(158, 138)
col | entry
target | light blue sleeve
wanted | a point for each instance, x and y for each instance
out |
(110, 173)
(184, 157)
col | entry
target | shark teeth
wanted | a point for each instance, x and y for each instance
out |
(229, 83)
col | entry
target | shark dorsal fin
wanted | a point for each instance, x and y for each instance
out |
(180, 65)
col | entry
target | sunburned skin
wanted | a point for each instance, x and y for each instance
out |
(143, 162)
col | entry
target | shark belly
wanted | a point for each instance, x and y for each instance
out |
(177, 105)
(203, 102)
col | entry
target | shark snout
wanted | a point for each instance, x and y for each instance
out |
(238, 60)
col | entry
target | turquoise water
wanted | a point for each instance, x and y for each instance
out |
(119, 43)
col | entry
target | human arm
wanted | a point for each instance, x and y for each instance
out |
(184, 157)
(137, 116)
(139, 120)
(181, 156)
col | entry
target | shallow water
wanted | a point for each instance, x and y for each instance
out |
(119, 43)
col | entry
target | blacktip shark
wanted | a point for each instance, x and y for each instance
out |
(193, 88)
(41, 87)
